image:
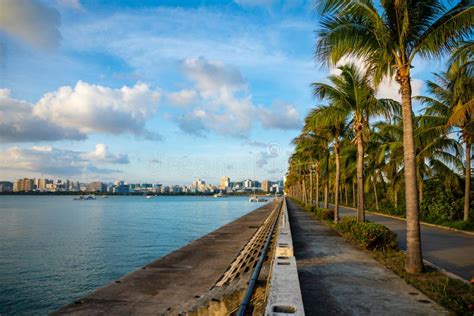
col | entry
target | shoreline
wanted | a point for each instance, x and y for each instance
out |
(178, 280)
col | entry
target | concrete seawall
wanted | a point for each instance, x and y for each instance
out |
(169, 285)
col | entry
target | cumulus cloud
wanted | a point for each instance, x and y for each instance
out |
(280, 116)
(224, 104)
(390, 89)
(183, 97)
(75, 112)
(219, 107)
(102, 154)
(92, 108)
(53, 161)
(31, 21)
(19, 124)
(213, 77)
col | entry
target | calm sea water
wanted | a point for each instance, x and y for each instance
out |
(54, 250)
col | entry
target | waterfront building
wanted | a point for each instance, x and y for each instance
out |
(225, 183)
(96, 186)
(266, 185)
(24, 185)
(121, 189)
(247, 184)
(200, 185)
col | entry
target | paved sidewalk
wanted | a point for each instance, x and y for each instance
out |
(338, 279)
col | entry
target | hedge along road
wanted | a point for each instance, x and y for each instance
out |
(452, 251)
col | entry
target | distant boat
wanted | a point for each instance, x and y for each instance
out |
(85, 197)
(148, 196)
(105, 196)
(219, 195)
(254, 198)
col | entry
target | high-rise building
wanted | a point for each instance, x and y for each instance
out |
(24, 185)
(225, 183)
(247, 184)
(96, 186)
(266, 185)
(41, 184)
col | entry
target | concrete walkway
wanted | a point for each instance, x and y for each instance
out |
(452, 251)
(338, 279)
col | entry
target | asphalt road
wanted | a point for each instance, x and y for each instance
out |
(450, 250)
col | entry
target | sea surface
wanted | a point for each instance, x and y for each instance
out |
(54, 250)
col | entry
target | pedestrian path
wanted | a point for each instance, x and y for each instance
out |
(338, 279)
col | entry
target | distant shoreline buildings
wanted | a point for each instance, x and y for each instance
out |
(122, 187)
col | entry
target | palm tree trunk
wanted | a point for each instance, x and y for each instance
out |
(360, 180)
(374, 182)
(336, 181)
(420, 191)
(467, 186)
(414, 259)
(317, 188)
(346, 196)
(303, 189)
(395, 197)
(353, 194)
(311, 186)
(326, 195)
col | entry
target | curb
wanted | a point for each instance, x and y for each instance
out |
(423, 223)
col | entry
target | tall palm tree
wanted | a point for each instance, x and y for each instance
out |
(332, 121)
(388, 35)
(452, 106)
(351, 95)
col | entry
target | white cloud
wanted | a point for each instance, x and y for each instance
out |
(102, 154)
(97, 109)
(31, 21)
(75, 112)
(213, 77)
(183, 97)
(51, 161)
(19, 124)
(280, 116)
(225, 105)
(390, 89)
(220, 107)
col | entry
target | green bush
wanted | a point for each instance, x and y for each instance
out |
(324, 214)
(370, 235)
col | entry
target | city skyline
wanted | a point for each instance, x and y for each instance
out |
(122, 186)
(125, 90)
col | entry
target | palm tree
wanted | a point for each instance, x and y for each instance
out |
(351, 95)
(332, 121)
(452, 106)
(388, 35)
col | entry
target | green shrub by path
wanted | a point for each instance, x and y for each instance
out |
(370, 235)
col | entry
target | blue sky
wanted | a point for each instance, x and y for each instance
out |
(159, 91)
